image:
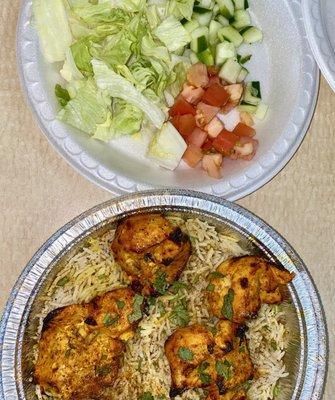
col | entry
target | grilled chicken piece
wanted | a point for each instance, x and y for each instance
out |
(197, 361)
(149, 248)
(235, 367)
(241, 285)
(225, 335)
(189, 352)
(80, 350)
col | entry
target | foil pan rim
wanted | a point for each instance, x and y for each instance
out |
(314, 356)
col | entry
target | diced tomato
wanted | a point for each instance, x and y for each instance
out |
(215, 95)
(186, 124)
(208, 145)
(246, 118)
(213, 70)
(214, 127)
(225, 141)
(175, 121)
(192, 155)
(181, 107)
(235, 93)
(245, 148)
(197, 137)
(211, 163)
(205, 113)
(192, 94)
(197, 75)
(244, 130)
(214, 79)
(228, 107)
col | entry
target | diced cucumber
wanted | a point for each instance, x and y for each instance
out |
(199, 44)
(206, 57)
(251, 34)
(190, 26)
(230, 70)
(203, 18)
(207, 4)
(224, 51)
(193, 58)
(255, 89)
(231, 34)
(241, 4)
(243, 59)
(214, 27)
(241, 19)
(226, 8)
(243, 74)
(250, 95)
(223, 21)
(247, 107)
(261, 111)
(201, 31)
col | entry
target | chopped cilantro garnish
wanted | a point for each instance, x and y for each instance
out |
(137, 311)
(151, 301)
(179, 314)
(161, 308)
(276, 390)
(217, 274)
(63, 281)
(185, 354)
(204, 377)
(227, 309)
(146, 396)
(176, 286)
(223, 368)
(210, 288)
(120, 304)
(160, 283)
(274, 345)
(103, 370)
(110, 320)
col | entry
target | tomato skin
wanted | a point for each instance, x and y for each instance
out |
(181, 107)
(186, 124)
(192, 155)
(225, 141)
(208, 145)
(197, 75)
(197, 137)
(215, 95)
(244, 130)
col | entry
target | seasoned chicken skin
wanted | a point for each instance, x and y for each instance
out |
(189, 352)
(241, 285)
(80, 350)
(196, 361)
(150, 249)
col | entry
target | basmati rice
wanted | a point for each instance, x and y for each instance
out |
(92, 271)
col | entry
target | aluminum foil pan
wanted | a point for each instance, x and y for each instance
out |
(306, 360)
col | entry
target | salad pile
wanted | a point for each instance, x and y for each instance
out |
(170, 65)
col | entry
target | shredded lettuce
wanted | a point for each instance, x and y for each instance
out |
(53, 28)
(172, 33)
(86, 110)
(181, 8)
(119, 87)
(70, 71)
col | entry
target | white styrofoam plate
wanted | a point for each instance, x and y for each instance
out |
(283, 63)
(319, 18)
